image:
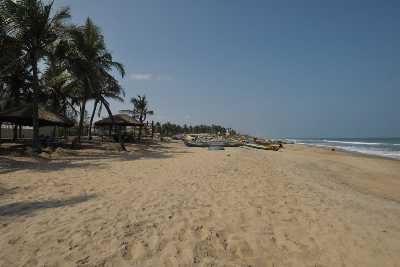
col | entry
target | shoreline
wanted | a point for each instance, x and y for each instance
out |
(355, 153)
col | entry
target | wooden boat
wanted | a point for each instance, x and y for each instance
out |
(262, 142)
(267, 147)
(212, 144)
(254, 146)
(232, 144)
(197, 144)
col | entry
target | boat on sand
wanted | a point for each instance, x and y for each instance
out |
(264, 147)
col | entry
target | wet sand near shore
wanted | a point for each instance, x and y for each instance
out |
(170, 205)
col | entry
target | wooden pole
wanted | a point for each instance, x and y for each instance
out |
(152, 129)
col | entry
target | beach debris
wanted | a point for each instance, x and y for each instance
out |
(59, 151)
(124, 248)
(178, 137)
(112, 147)
(29, 151)
(83, 261)
(44, 155)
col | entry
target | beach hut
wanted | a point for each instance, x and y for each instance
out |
(22, 115)
(121, 121)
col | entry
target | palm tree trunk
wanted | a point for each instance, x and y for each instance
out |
(15, 132)
(140, 128)
(109, 113)
(152, 130)
(140, 133)
(83, 107)
(35, 102)
(91, 119)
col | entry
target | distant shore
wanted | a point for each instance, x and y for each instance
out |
(168, 205)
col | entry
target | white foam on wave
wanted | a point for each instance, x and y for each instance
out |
(353, 143)
(362, 150)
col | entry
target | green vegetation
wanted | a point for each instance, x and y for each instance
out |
(77, 65)
(170, 129)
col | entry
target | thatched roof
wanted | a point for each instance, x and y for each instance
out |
(22, 115)
(119, 120)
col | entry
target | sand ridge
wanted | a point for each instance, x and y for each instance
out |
(169, 205)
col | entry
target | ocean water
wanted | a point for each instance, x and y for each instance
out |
(385, 147)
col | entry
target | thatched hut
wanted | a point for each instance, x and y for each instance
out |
(120, 120)
(22, 115)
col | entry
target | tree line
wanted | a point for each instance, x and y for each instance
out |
(170, 129)
(47, 61)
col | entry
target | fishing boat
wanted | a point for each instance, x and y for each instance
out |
(212, 144)
(196, 144)
(254, 146)
(264, 147)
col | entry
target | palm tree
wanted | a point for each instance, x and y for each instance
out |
(59, 87)
(31, 25)
(109, 88)
(140, 111)
(90, 63)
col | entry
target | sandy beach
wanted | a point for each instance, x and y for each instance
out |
(169, 205)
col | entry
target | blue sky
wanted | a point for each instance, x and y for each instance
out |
(270, 68)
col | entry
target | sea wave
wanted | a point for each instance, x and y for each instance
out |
(382, 153)
(353, 143)
(361, 150)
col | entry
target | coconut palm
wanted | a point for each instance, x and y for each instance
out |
(90, 62)
(108, 88)
(59, 87)
(140, 111)
(32, 25)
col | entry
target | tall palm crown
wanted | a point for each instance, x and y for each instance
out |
(30, 26)
(141, 108)
(89, 57)
(90, 63)
(58, 85)
(30, 23)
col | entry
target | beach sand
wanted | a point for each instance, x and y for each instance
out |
(169, 205)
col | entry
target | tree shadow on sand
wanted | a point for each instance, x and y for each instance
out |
(87, 158)
(135, 152)
(11, 165)
(26, 208)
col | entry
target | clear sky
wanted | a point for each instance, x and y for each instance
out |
(270, 68)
